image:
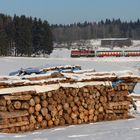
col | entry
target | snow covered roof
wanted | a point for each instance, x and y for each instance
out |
(64, 77)
(46, 88)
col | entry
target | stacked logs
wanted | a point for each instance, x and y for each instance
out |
(65, 106)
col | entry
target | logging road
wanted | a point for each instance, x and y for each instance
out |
(110, 130)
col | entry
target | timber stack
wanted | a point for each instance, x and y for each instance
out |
(34, 102)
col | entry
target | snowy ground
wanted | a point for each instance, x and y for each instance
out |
(114, 130)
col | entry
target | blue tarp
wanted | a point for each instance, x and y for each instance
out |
(115, 83)
(30, 71)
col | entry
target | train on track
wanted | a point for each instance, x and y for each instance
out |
(104, 53)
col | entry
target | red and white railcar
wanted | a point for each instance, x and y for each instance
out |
(133, 53)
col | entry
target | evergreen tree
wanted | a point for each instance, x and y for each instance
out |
(4, 50)
(47, 45)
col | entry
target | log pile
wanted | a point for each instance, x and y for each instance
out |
(31, 108)
(64, 106)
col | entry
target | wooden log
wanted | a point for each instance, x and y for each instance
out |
(66, 106)
(25, 105)
(17, 129)
(31, 110)
(91, 111)
(62, 121)
(59, 107)
(25, 118)
(81, 108)
(50, 100)
(44, 124)
(49, 94)
(32, 102)
(90, 118)
(69, 99)
(30, 92)
(12, 120)
(100, 117)
(75, 108)
(81, 115)
(3, 108)
(13, 114)
(72, 104)
(39, 118)
(31, 126)
(95, 118)
(5, 131)
(4, 121)
(37, 99)
(20, 97)
(69, 110)
(8, 102)
(86, 112)
(96, 106)
(14, 124)
(27, 127)
(32, 119)
(75, 121)
(74, 115)
(86, 119)
(23, 128)
(115, 99)
(44, 96)
(44, 103)
(36, 113)
(115, 111)
(96, 112)
(101, 109)
(2, 102)
(19, 119)
(60, 113)
(12, 130)
(54, 112)
(66, 116)
(50, 123)
(123, 103)
(44, 111)
(63, 101)
(37, 125)
(102, 100)
(48, 117)
(38, 107)
(10, 107)
(17, 104)
(56, 122)
(118, 93)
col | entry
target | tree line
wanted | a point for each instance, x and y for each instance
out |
(24, 36)
(114, 28)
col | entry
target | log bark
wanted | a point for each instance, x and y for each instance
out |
(14, 124)
(3, 108)
(13, 114)
(20, 97)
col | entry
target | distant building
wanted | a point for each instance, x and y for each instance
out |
(120, 42)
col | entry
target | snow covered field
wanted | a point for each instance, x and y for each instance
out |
(122, 129)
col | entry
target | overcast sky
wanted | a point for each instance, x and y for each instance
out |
(70, 11)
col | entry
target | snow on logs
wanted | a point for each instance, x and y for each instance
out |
(31, 106)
